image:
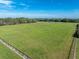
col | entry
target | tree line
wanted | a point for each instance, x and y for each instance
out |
(13, 21)
(59, 20)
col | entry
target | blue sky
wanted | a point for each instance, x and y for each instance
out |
(39, 8)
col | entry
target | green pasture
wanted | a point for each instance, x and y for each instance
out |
(39, 40)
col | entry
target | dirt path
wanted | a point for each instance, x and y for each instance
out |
(18, 52)
(72, 52)
(75, 46)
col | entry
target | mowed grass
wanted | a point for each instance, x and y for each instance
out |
(40, 40)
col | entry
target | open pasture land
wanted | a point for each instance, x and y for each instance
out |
(40, 40)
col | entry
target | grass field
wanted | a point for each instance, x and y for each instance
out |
(40, 40)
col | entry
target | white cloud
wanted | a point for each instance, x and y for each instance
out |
(22, 4)
(25, 5)
(6, 2)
